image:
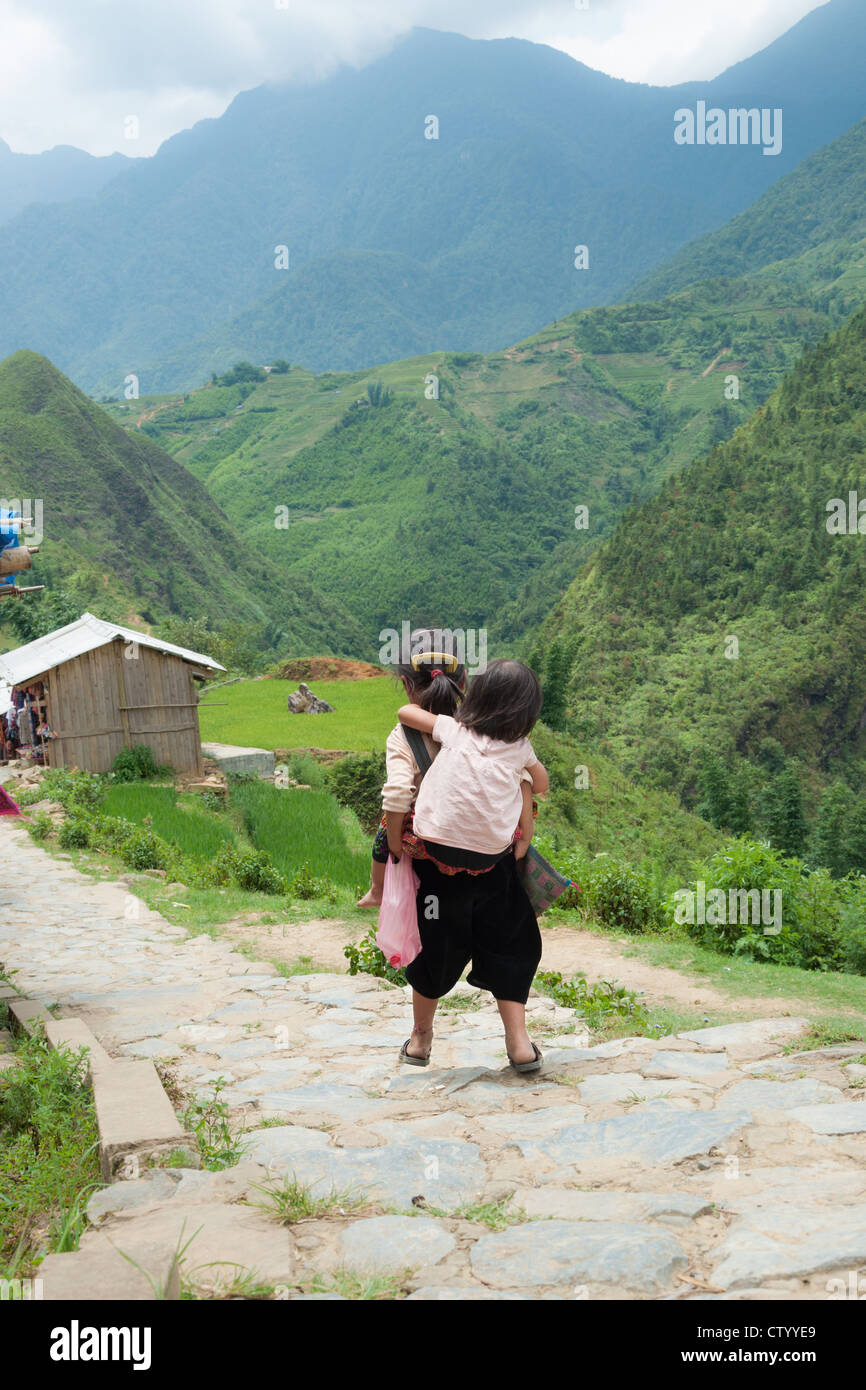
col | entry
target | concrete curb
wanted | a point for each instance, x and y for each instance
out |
(26, 1014)
(136, 1118)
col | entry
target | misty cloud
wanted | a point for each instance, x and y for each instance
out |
(73, 73)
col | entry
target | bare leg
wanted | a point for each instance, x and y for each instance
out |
(517, 1043)
(377, 882)
(424, 1011)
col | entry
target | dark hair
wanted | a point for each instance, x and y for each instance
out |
(504, 701)
(440, 693)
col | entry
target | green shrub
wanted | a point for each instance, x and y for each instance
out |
(357, 782)
(621, 897)
(811, 906)
(852, 925)
(110, 833)
(143, 850)
(304, 884)
(74, 833)
(135, 764)
(252, 870)
(82, 791)
(49, 1154)
(28, 796)
(40, 826)
(365, 958)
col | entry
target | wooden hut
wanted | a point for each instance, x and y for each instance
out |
(107, 688)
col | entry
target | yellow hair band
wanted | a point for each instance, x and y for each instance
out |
(446, 660)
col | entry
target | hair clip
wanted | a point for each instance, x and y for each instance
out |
(446, 659)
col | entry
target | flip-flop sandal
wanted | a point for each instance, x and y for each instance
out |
(529, 1066)
(413, 1061)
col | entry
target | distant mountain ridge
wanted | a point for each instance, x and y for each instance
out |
(55, 176)
(465, 242)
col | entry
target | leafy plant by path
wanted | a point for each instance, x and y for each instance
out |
(365, 958)
(220, 1145)
(597, 1003)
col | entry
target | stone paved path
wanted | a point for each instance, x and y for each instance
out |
(707, 1165)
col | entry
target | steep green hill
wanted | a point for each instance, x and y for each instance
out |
(465, 505)
(399, 244)
(722, 615)
(127, 528)
(808, 226)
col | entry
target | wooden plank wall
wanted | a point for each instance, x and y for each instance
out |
(167, 718)
(82, 709)
(89, 700)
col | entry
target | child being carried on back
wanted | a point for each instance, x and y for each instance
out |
(469, 803)
(481, 785)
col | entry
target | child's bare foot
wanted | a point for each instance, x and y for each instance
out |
(370, 899)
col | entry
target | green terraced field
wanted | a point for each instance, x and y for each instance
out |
(255, 715)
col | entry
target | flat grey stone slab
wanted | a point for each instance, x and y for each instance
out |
(631, 1257)
(447, 1173)
(846, 1117)
(531, 1124)
(755, 1032)
(622, 1085)
(158, 1185)
(778, 1095)
(694, 1065)
(325, 1098)
(234, 758)
(392, 1244)
(654, 1136)
(222, 1238)
(788, 1242)
(385, 1035)
(568, 1203)
(421, 1081)
(457, 1293)
(278, 1145)
(153, 1047)
(259, 1046)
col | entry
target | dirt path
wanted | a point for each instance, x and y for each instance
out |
(565, 949)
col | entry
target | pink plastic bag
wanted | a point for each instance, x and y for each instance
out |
(397, 937)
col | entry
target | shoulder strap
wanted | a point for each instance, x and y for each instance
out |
(419, 749)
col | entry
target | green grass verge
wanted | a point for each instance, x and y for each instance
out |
(49, 1159)
(181, 820)
(301, 827)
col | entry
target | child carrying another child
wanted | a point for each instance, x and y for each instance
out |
(471, 902)
(434, 681)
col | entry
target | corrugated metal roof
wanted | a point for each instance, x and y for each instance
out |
(84, 635)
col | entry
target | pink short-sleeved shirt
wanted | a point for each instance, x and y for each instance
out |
(470, 798)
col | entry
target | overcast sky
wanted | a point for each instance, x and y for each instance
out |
(73, 71)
